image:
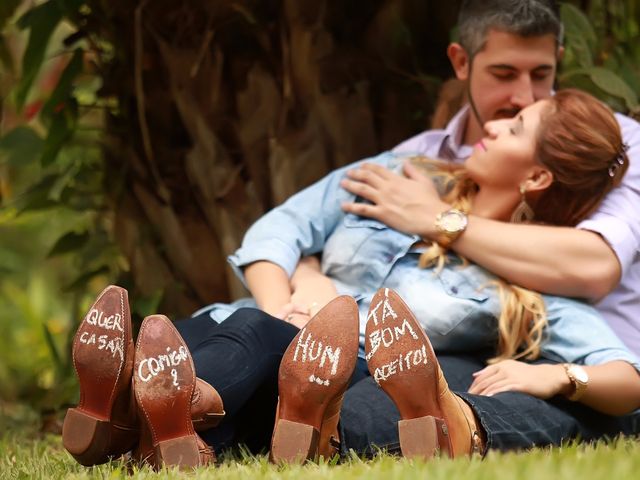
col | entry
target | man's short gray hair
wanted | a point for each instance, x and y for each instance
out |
(526, 18)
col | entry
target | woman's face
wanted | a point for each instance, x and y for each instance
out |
(504, 158)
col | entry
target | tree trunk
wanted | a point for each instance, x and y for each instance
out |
(227, 108)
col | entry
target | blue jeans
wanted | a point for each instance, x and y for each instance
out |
(241, 357)
(511, 420)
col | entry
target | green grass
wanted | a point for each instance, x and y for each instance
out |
(25, 454)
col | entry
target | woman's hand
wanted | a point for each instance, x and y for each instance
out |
(311, 289)
(294, 314)
(542, 381)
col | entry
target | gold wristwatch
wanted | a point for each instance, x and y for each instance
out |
(449, 226)
(579, 380)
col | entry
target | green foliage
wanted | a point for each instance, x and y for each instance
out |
(55, 249)
(602, 55)
(34, 332)
(64, 89)
(46, 287)
(604, 83)
(70, 242)
(580, 37)
(7, 10)
(21, 146)
(41, 21)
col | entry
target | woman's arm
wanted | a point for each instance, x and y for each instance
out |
(308, 291)
(311, 289)
(614, 387)
(269, 285)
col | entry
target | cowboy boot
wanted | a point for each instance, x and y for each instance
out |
(145, 453)
(164, 382)
(329, 439)
(103, 425)
(402, 362)
(314, 374)
(207, 410)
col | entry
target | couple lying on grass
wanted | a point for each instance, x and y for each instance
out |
(300, 376)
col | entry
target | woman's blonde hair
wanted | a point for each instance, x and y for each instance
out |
(580, 142)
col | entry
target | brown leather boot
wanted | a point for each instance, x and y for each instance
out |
(401, 360)
(207, 410)
(145, 452)
(164, 384)
(103, 425)
(329, 440)
(314, 374)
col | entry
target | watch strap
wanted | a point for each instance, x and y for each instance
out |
(579, 387)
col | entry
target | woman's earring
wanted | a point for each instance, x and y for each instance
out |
(523, 212)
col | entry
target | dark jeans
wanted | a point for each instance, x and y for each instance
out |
(240, 358)
(511, 420)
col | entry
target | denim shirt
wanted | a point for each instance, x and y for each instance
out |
(456, 306)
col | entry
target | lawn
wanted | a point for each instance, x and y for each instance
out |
(26, 454)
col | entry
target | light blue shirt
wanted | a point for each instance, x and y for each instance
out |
(362, 255)
(617, 219)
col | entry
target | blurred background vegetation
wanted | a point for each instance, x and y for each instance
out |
(139, 139)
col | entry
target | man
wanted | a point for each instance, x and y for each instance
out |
(508, 56)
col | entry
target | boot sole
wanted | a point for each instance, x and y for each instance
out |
(316, 368)
(163, 382)
(100, 348)
(402, 361)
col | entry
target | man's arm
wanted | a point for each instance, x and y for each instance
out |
(558, 260)
(555, 260)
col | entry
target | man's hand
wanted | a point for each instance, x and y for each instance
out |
(541, 381)
(408, 204)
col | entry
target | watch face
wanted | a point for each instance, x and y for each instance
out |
(453, 222)
(580, 375)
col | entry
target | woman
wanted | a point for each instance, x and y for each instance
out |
(361, 255)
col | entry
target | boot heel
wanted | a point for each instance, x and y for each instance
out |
(182, 451)
(423, 437)
(293, 442)
(85, 437)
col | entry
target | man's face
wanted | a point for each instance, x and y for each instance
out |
(510, 73)
(505, 157)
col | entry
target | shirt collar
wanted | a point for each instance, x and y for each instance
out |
(452, 147)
